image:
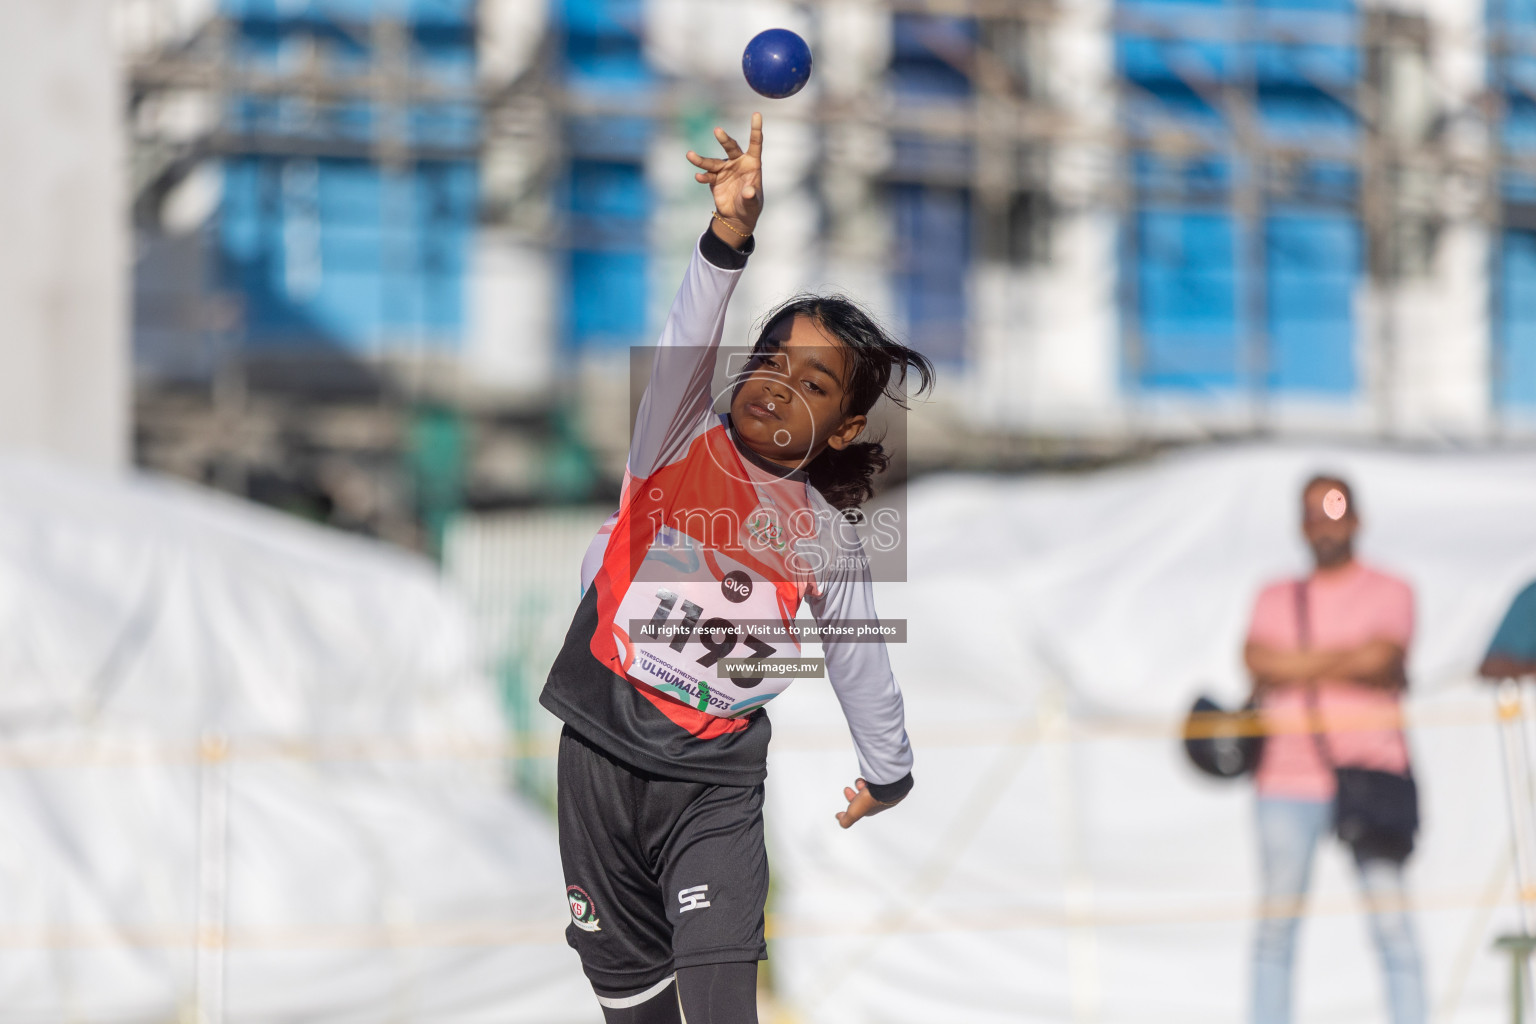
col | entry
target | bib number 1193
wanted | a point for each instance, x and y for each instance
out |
(717, 636)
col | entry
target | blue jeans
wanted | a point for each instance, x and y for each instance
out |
(1289, 831)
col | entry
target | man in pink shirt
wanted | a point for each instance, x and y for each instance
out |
(1343, 633)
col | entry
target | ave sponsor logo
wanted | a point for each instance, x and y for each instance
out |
(736, 586)
(692, 898)
(583, 909)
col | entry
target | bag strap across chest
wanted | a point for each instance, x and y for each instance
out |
(1304, 642)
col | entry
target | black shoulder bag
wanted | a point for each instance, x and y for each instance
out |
(1376, 813)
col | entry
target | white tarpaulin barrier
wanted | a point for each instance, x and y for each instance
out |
(249, 772)
(1058, 859)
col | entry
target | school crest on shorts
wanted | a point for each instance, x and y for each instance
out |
(583, 910)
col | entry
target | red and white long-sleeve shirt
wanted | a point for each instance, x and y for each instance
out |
(710, 535)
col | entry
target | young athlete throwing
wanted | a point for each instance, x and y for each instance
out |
(727, 523)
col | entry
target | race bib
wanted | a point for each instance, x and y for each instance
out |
(685, 611)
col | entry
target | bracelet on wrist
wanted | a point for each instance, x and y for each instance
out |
(727, 225)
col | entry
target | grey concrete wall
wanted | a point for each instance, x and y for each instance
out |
(64, 387)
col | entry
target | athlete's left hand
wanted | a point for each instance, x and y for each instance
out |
(861, 804)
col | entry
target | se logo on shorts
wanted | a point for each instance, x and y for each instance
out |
(693, 898)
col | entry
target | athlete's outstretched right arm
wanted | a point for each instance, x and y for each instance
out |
(678, 394)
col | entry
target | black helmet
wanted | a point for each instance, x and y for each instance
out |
(1222, 743)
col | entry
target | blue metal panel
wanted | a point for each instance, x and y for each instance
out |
(1201, 177)
(1204, 6)
(1305, 64)
(609, 209)
(932, 259)
(239, 212)
(1341, 6)
(1193, 325)
(601, 17)
(442, 304)
(607, 298)
(625, 139)
(1200, 8)
(1188, 290)
(1325, 184)
(350, 304)
(1512, 12)
(604, 61)
(929, 55)
(608, 191)
(457, 12)
(1520, 120)
(350, 192)
(336, 252)
(607, 197)
(349, 248)
(1163, 70)
(349, 257)
(1517, 331)
(1300, 112)
(603, 43)
(1514, 75)
(1292, 81)
(1160, 60)
(1314, 264)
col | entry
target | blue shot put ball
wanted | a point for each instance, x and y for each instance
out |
(777, 63)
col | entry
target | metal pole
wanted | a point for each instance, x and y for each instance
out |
(1519, 949)
(1378, 208)
(212, 939)
(1250, 169)
(1512, 711)
(1517, 746)
(1517, 987)
(1493, 198)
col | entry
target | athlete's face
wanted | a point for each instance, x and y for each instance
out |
(792, 402)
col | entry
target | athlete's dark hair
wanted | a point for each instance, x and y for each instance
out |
(879, 369)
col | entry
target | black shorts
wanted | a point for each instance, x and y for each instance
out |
(659, 874)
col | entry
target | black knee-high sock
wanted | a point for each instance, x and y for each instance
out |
(659, 1009)
(719, 993)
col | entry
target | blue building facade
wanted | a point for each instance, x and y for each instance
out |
(608, 203)
(1199, 325)
(328, 245)
(1511, 77)
(605, 198)
(331, 244)
(929, 188)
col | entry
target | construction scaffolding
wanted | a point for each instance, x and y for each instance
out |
(1121, 223)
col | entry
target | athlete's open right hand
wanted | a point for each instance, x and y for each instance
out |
(861, 804)
(736, 183)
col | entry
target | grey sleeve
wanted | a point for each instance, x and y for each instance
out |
(678, 395)
(860, 674)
